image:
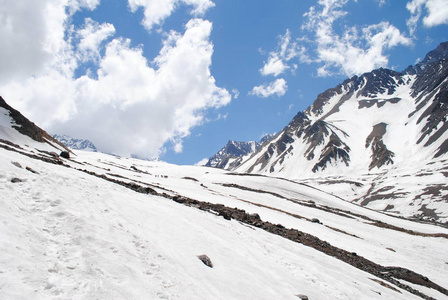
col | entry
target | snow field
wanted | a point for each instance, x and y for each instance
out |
(66, 234)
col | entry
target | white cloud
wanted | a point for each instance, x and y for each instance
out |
(75, 5)
(235, 93)
(130, 107)
(415, 8)
(31, 34)
(274, 66)
(381, 3)
(202, 162)
(277, 88)
(278, 60)
(356, 49)
(290, 107)
(156, 11)
(91, 37)
(437, 13)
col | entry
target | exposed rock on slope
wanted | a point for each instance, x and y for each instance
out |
(28, 128)
(380, 154)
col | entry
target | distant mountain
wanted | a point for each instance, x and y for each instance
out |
(379, 139)
(231, 155)
(380, 119)
(76, 144)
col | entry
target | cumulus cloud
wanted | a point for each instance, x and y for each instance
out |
(130, 105)
(277, 88)
(335, 49)
(437, 13)
(32, 33)
(202, 162)
(278, 60)
(156, 11)
(274, 66)
(356, 49)
(91, 37)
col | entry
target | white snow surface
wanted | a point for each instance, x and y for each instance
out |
(65, 234)
(69, 235)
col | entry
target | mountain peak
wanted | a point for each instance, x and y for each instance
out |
(438, 54)
(233, 152)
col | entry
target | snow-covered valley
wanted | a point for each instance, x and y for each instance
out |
(87, 225)
(68, 234)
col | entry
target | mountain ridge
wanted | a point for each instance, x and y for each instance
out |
(233, 153)
(375, 88)
(76, 144)
(370, 129)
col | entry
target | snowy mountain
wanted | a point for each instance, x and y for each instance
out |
(75, 144)
(379, 139)
(232, 154)
(97, 226)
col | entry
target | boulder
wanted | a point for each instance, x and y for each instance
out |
(206, 260)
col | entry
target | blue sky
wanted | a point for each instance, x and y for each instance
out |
(177, 79)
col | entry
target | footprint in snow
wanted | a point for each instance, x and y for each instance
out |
(163, 296)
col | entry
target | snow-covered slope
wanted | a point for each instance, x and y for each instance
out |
(103, 227)
(384, 131)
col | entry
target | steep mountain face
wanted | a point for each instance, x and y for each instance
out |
(382, 122)
(232, 154)
(76, 144)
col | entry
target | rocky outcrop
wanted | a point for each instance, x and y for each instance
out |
(335, 149)
(28, 128)
(380, 154)
(206, 260)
